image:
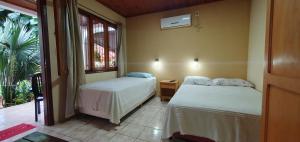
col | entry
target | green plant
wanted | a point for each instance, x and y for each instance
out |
(19, 52)
(23, 94)
(9, 95)
(0, 91)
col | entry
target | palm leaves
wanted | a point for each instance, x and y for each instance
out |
(19, 52)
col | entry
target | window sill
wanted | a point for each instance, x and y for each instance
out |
(93, 72)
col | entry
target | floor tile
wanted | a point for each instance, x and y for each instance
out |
(155, 123)
(99, 138)
(82, 132)
(138, 140)
(76, 140)
(121, 138)
(132, 130)
(151, 135)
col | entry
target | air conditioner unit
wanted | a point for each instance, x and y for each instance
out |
(176, 21)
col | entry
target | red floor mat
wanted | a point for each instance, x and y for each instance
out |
(15, 130)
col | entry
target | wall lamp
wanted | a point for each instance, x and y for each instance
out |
(157, 64)
(196, 59)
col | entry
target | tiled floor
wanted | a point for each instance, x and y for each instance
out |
(144, 125)
(15, 115)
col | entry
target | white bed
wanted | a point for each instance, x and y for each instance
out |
(113, 99)
(221, 113)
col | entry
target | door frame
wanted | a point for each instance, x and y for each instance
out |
(45, 61)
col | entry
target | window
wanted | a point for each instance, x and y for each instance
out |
(112, 38)
(99, 43)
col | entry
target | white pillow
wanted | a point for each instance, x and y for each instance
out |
(197, 80)
(232, 82)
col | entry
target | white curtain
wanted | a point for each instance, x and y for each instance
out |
(74, 56)
(121, 52)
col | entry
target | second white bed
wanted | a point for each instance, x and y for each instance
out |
(113, 99)
(221, 113)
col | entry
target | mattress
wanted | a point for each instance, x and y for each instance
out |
(113, 99)
(221, 113)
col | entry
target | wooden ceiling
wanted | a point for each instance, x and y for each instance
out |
(27, 4)
(129, 8)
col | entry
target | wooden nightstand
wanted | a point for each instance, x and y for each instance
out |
(168, 89)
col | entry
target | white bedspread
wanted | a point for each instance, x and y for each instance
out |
(112, 99)
(221, 113)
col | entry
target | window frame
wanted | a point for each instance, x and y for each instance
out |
(91, 60)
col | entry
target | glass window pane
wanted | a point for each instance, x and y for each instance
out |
(84, 28)
(112, 35)
(99, 52)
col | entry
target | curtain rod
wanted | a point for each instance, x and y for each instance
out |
(96, 13)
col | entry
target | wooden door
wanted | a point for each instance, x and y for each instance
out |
(281, 105)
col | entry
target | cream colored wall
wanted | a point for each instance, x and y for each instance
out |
(95, 7)
(257, 42)
(220, 42)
